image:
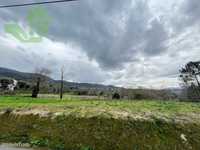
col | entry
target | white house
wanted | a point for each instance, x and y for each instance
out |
(8, 84)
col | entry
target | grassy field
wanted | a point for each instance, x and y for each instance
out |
(93, 107)
(77, 124)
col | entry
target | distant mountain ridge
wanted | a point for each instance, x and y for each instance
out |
(88, 88)
(17, 75)
(23, 76)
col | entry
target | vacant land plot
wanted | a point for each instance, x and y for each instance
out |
(92, 107)
(74, 124)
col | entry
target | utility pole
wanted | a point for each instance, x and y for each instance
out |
(61, 83)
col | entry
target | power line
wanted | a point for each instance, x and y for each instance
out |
(35, 3)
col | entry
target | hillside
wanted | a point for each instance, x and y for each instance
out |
(53, 86)
(26, 77)
(4, 72)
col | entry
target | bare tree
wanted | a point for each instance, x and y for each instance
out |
(61, 82)
(40, 76)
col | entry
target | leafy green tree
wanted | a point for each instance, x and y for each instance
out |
(190, 75)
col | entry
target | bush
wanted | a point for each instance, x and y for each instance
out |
(116, 96)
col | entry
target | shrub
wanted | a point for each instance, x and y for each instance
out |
(116, 96)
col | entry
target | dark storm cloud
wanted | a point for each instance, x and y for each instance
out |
(112, 32)
(95, 27)
(89, 24)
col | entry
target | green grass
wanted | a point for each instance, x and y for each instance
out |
(75, 104)
(105, 128)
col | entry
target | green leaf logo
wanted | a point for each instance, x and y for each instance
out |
(38, 21)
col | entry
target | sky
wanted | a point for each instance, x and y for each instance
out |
(129, 43)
